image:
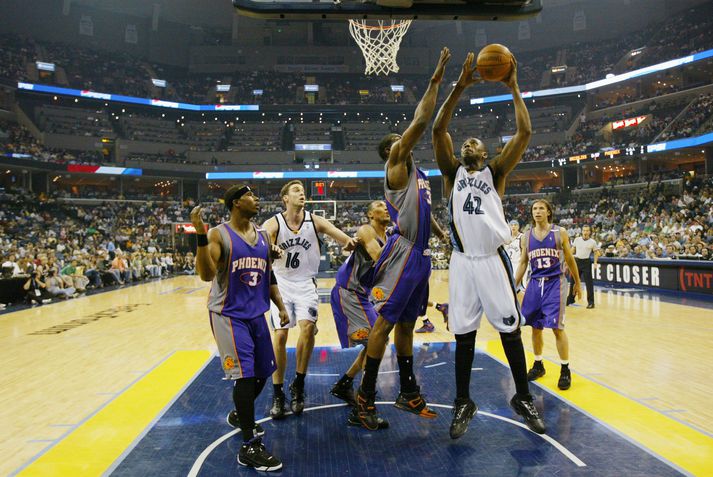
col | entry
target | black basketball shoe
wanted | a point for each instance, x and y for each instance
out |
(277, 411)
(526, 408)
(463, 411)
(366, 410)
(297, 403)
(565, 380)
(413, 402)
(353, 420)
(232, 420)
(345, 392)
(254, 454)
(536, 372)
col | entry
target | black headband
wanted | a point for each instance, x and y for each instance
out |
(236, 196)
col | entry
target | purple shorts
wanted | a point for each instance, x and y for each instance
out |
(245, 346)
(400, 280)
(354, 316)
(544, 302)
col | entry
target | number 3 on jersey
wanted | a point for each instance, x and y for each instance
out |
(472, 205)
(293, 260)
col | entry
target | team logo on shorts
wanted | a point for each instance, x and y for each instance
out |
(378, 293)
(228, 363)
(360, 335)
(509, 321)
(312, 311)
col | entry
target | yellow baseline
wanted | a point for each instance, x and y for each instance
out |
(675, 442)
(98, 442)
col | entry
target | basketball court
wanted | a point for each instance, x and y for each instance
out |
(126, 382)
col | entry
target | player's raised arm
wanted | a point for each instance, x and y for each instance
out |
(515, 147)
(401, 149)
(324, 226)
(522, 264)
(442, 142)
(367, 238)
(209, 248)
(571, 262)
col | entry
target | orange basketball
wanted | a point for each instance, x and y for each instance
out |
(494, 62)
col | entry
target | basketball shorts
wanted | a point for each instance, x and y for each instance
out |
(400, 280)
(300, 299)
(354, 316)
(245, 346)
(478, 285)
(545, 301)
(423, 307)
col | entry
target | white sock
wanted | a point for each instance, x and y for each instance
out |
(538, 357)
(565, 362)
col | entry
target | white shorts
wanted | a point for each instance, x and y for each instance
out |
(300, 299)
(482, 284)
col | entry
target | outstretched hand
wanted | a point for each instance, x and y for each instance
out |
(197, 219)
(468, 74)
(441, 67)
(511, 79)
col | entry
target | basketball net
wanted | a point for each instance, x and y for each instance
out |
(379, 43)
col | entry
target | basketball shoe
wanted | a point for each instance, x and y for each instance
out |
(427, 327)
(345, 392)
(413, 402)
(297, 403)
(536, 372)
(463, 411)
(366, 410)
(565, 380)
(526, 408)
(253, 454)
(277, 411)
(353, 420)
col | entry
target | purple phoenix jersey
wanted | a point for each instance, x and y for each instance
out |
(410, 208)
(545, 254)
(241, 288)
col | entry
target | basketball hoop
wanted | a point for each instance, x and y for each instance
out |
(379, 43)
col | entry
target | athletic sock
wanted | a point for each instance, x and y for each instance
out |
(406, 376)
(244, 400)
(300, 380)
(515, 353)
(465, 352)
(277, 389)
(371, 371)
(565, 364)
(538, 357)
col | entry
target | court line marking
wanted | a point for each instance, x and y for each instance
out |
(78, 447)
(435, 365)
(200, 460)
(153, 422)
(324, 374)
(86, 418)
(497, 354)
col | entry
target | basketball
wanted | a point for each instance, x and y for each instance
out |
(494, 62)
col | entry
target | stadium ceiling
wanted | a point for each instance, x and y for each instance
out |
(188, 12)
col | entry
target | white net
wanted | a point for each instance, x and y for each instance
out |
(379, 43)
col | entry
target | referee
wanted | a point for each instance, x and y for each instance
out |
(583, 247)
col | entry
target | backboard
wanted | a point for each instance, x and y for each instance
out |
(481, 10)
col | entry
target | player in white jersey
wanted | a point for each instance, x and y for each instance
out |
(481, 277)
(296, 232)
(514, 248)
